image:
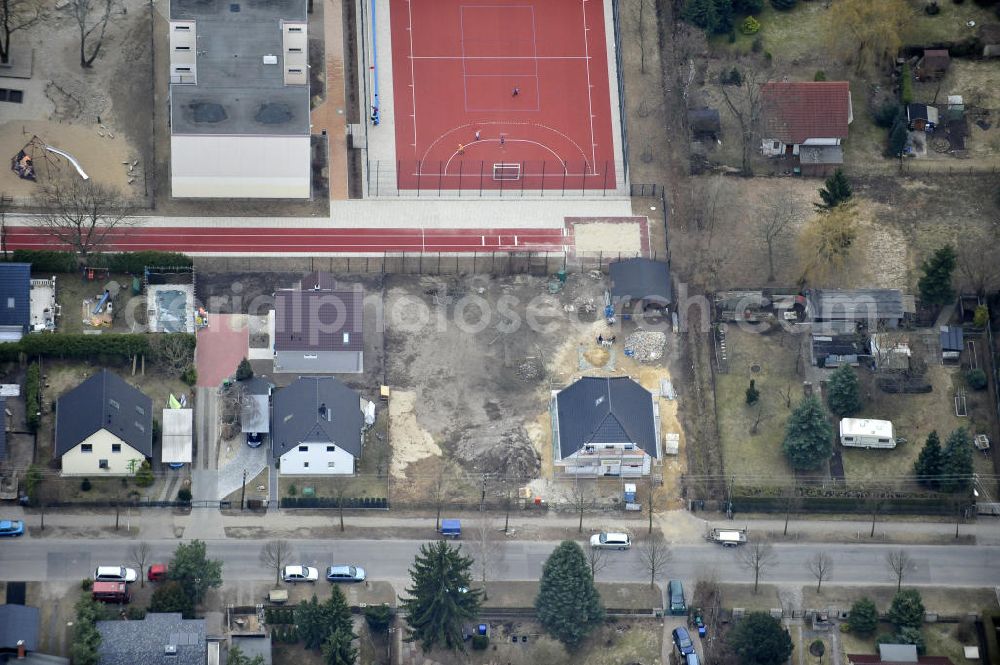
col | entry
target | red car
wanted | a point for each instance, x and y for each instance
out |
(157, 572)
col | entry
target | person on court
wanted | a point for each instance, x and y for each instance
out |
(477, 134)
(461, 149)
(502, 139)
(515, 92)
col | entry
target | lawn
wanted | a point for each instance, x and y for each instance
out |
(621, 596)
(71, 290)
(948, 25)
(757, 454)
(942, 600)
(940, 638)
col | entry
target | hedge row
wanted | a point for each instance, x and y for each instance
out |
(32, 387)
(815, 504)
(991, 623)
(332, 502)
(68, 345)
(46, 261)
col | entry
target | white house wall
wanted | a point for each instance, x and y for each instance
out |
(78, 463)
(317, 461)
(263, 167)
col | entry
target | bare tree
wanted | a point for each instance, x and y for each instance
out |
(899, 563)
(713, 202)
(979, 261)
(774, 224)
(827, 243)
(821, 566)
(82, 214)
(275, 554)
(580, 499)
(758, 557)
(597, 560)
(92, 18)
(16, 15)
(744, 100)
(139, 554)
(340, 492)
(173, 352)
(485, 548)
(654, 557)
(440, 491)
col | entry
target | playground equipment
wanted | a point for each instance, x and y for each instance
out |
(23, 163)
(105, 300)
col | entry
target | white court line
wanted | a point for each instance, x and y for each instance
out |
(501, 57)
(447, 164)
(499, 123)
(590, 101)
(413, 75)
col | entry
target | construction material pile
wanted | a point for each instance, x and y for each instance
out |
(645, 346)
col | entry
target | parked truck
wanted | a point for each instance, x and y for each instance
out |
(866, 433)
(728, 537)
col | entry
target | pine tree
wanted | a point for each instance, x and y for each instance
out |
(836, 190)
(928, 464)
(935, 284)
(568, 605)
(701, 13)
(844, 392)
(724, 16)
(760, 639)
(439, 600)
(244, 370)
(311, 622)
(338, 648)
(956, 462)
(897, 137)
(808, 436)
(907, 609)
(863, 619)
(751, 7)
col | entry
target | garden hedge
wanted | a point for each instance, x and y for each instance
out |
(73, 345)
(331, 502)
(45, 261)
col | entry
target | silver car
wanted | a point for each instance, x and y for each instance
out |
(345, 574)
(299, 574)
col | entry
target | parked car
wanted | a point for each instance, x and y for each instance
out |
(293, 574)
(345, 574)
(11, 528)
(610, 541)
(675, 595)
(157, 572)
(115, 574)
(682, 640)
(254, 439)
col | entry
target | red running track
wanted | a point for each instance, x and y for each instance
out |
(260, 240)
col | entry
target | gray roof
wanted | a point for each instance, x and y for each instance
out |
(821, 154)
(898, 653)
(605, 410)
(15, 282)
(104, 401)
(641, 279)
(951, 339)
(257, 385)
(253, 646)
(236, 92)
(317, 410)
(318, 280)
(318, 320)
(255, 417)
(132, 642)
(19, 622)
(857, 304)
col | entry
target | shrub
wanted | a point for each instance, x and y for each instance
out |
(292, 490)
(184, 495)
(144, 476)
(190, 375)
(752, 394)
(982, 316)
(32, 397)
(732, 77)
(480, 642)
(244, 371)
(731, 37)
(886, 114)
(932, 8)
(863, 618)
(784, 5)
(86, 584)
(758, 45)
(72, 345)
(750, 26)
(748, 6)
(379, 618)
(46, 261)
(768, 57)
(977, 379)
(85, 485)
(819, 76)
(906, 86)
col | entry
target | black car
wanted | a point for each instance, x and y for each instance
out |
(682, 640)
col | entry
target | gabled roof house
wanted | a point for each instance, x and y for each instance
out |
(605, 426)
(158, 638)
(814, 115)
(104, 427)
(318, 328)
(316, 428)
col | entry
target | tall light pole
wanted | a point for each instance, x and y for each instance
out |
(243, 490)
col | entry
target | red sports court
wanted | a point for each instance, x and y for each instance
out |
(529, 77)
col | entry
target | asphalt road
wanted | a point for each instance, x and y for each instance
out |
(43, 559)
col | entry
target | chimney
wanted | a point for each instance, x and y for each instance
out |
(20, 650)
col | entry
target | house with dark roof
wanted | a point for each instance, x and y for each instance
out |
(104, 427)
(316, 427)
(19, 625)
(952, 341)
(318, 328)
(640, 282)
(813, 114)
(605, 426)
(15, 301)
(896, 654)
(157, 639)
(872, 307)
(922, 117)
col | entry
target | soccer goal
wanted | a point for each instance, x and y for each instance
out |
(503, 171)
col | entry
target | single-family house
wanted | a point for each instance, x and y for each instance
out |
(158, 638)
(813, 114)
(872, 307)
(640, 282)
(19, 629)
(951, 344)
(922, 117)
(894, 654)
(104, 427)
(605, 426)
(316, 428)
(15, 301)
(318, 328)
(933, 64)
(836, 349)
(704, 123)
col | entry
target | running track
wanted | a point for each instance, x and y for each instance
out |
(311, 241)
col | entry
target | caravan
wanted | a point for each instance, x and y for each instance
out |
(865, 433)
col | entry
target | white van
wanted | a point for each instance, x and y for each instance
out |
(610, 541)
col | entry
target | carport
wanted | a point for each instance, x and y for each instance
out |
(178, 426)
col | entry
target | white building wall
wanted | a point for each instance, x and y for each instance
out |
(316, 460)
(78, 463)
(261, 167)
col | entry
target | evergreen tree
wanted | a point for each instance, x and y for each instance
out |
(338, 648)
(439, 600)
(751, 7)
(784, 5)
(935, 284)
(568, 605)
(760, 639)
(724, 16)
(863, 619)
(701, 13)
(237, 657)
(312, 623)
(752, 393)
(836, 190)
(808, 436)
(907, 609)
(910, 635)
(244, 371)
(195, 572)
(86, 638)
(844, 392)
(171, 597)
(956, 462)
(897, 137)
(928, 464)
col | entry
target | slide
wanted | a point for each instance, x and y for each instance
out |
(71, 159)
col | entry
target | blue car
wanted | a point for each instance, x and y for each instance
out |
(11, 528)
(683, 641)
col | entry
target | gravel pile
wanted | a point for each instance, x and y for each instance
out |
(645, 346)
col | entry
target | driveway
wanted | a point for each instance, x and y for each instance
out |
(253, 460)
(221, 347)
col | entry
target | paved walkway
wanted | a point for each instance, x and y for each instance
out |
(252, 460)
(330, 117)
